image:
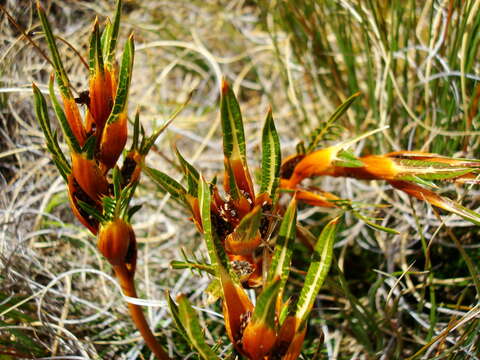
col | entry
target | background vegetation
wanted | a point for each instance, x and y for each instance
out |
(414, 294)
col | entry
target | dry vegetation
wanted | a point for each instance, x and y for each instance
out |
(388, 296)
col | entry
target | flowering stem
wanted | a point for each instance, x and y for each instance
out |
(136, 313)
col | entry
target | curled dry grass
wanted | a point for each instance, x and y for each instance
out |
(389, 296)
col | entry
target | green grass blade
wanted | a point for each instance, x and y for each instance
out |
(318, 270)
(271, 157)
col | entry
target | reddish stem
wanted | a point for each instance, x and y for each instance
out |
(136, 313)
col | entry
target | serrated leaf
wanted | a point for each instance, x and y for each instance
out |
(51, 139)
(62, 119)
(216, 252)
(167, 184)
(176, 317)
(237, 177)
(205, 202)
(320, 132)
(282, 256)
(232, 125)
(317, 272)
(124, 80)
(189, 319)
(191, 174)
(271, 158)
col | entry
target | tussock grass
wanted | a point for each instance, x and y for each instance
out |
(414, 294)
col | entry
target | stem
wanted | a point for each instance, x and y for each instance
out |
(136, 313)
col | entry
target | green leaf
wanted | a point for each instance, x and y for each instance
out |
(265, 307)
(282, 256)
(216, 252)
(271, 157)
(62, 78)
(347, 159)
(232, 125)
(147, 143)
(124, 80)
(205, 200)
(317, 271)
(113, 35)
(136, 131)
(191, 174)
(95, 55)
(418, 180)
(319, 133)
(62, 119)
(188, 318)
(41, 112)
(167, 184)
(176, 316)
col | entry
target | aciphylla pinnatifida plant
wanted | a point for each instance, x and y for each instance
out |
(249, 237)
(95, 128)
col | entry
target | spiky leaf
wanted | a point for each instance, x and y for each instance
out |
(123, 82)
(188, 324)
(317, 271)
(282, 257)
(167, 184)
(271, 157)
(191, 174)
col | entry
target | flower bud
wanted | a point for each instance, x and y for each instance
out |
(114, 240)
